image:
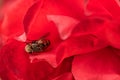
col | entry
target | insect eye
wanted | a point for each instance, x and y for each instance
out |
(28, 48)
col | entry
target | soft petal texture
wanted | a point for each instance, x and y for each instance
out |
(97, 9)
(16, 64)
(30, 14)
(14, 61)
(12, 24)
(38, 26)
(21, 38)
(64, 24)
(113, 34)
(36, 17)
(63, 68)
(64, 7)
(48, 56)
(91, 25)
(114, 10)
(118, 2)
(98, 65)
(40, 70)
(88, 35)
(76, 7)
(81, 44)
(81, 28)
(65, 76)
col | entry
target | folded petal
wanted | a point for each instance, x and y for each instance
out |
(48, 56)
(40, 70)
(98, 65)
(65, 76)
(37, 25)
(114, 10)
(14, 61)
(64, 24)
(112, 34)
(80, 44)
(91, 25)
(37, 22)
(13, 14)
(63, 68)
(95, 8)
(65, 7)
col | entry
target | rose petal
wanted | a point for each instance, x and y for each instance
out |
(14, 61)
(113, 34)
(31, 14)
(77, 7)
(62, 68)
(38, 26)
(90, 25)
(118, 2)
(49, 56)
(40, 70)
(12, 24)
(36, 17)
(64, 7)
(65, 76)
(64, 24)
(95, 8)
(114, 10)
(99, 65)
(21, 38)
(80, 44)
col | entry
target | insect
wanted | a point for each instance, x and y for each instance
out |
(37, 46)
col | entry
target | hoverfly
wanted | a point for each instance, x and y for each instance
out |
(37, 46)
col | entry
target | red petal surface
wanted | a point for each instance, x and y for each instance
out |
(12, 24)
(86, 36)
(13, 61)
(114, 10)
(80, 28)
(40, 70)
(98, 65)
(65, 76)
(113, 33)
(15, 64)
(79, 45)
(37, 17)
(95, 8)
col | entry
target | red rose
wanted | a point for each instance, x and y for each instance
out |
(83, 34)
